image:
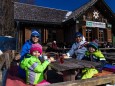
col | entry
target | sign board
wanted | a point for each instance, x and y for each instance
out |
(95, 24)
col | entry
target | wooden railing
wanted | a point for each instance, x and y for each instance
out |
(6, 58)
(107, 49)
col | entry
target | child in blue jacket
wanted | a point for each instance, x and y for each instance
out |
(34, 39)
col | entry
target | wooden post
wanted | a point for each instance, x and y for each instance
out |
(2, 61)
(13, 54)
(84, 31)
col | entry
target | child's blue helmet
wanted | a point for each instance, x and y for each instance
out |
(78, 34)
(35, 33)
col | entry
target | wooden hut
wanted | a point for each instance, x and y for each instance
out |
(94, 19)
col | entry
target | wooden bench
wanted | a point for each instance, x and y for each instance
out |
(110, 57)
(107, 49)
(13, 81)
(89, 82)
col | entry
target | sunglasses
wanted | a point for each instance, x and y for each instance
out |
(36, 36)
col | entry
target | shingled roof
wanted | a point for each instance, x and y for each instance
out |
(43, 14)
(29, 12)
(79, 11)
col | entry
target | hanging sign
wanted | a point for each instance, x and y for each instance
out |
(95, 24)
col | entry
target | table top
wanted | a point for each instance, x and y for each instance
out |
(71, 63)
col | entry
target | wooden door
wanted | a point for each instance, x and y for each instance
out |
(27, 33)
(84, 31)
(95, 33)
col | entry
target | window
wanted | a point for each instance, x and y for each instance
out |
(88, 34)
(101, 35)
(51, 35)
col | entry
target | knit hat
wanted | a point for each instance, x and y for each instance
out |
(36, 47)
(78, 34)
(93, 44)
(95, 41)
(35, 33)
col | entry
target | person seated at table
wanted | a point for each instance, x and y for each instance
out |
(109, 45)
(34, 39)
(54, 46)
(78, 48)
(33, 66)
(95, 55)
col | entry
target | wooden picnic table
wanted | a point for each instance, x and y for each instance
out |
(70, 67)
(72, 64)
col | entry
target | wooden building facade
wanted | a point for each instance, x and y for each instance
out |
(94, 20)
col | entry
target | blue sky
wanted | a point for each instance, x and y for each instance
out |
(61, 4)
(69, 4)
